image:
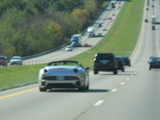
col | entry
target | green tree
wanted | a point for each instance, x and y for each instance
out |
(90, 6)
(68, 5)
(99, 4)
(6, 41)
(82, 16)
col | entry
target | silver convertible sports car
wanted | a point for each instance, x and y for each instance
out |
(64, 74)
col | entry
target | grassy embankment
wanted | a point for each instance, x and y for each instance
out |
(121, 40)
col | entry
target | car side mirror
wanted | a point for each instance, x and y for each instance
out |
(87, 68)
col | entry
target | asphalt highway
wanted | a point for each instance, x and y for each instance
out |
(130, 95)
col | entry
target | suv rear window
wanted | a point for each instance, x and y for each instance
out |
(105, 57)
(125, 58)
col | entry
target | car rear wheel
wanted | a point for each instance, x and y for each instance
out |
(122, 69)
(42, 89)
(149, 68)
(87, 87)
(82, 88)
(115, 71)
(95, 71)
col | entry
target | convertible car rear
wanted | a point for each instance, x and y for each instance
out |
(64, 74)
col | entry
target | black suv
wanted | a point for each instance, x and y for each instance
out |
(105, 62)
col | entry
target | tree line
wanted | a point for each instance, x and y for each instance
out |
(29, 27)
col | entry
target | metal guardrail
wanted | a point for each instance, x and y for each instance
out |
(46, 52)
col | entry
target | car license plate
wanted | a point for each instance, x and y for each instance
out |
(60, 77)
(104, 61)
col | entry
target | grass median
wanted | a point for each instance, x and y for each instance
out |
(120, 40)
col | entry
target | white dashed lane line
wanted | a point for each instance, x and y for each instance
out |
(122, 83)
(99, 103)
(127, 78)
(114, 90)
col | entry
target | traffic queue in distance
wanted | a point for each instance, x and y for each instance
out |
(110, 62)
(15, 60)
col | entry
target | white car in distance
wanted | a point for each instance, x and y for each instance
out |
(16, 60)
(104, 28)
(69, 48)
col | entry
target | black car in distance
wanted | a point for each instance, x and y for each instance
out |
(121, 64)
(105, 62)
(127, 60)
(154, 63)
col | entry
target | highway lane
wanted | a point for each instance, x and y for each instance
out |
(130, 95)
(138, 97)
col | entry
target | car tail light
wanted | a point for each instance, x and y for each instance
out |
(94, 61)
(114, 61)
(45, 70)
(75, 70)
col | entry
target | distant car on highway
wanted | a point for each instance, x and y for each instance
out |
(86, 45)
(109, 18)
(99, 25)
(154, 63)
(64, 74)
(99, 35)
(146, 20)
(69, 48)
(16, 60)
(117, 7)
(3, 61)
(109, 21)
(126, 60)
(149, 59)
(113, 14)
(104, 28)
(121, 63)
(105, 62)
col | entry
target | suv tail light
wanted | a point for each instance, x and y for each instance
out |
(94, 61)
(114, 61)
